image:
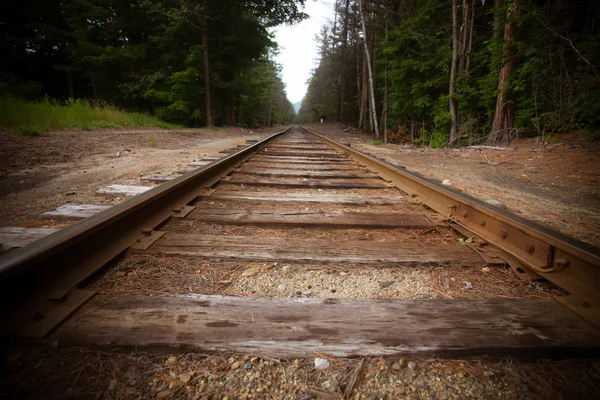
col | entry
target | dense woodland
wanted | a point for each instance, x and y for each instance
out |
(451, 72)
(197, 63)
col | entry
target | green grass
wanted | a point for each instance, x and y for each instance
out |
(35, 118)
(376, 142)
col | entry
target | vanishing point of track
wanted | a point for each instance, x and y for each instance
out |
(298, 199)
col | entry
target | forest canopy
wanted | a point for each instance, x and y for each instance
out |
(443, 72)
(197, 63)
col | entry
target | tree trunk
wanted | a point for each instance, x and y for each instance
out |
(207, 104)
(505, 103)
(385, 88)
(334, 29)
(228, 118)
(462, 52)
(453, 140)
(497, 30)
(385, 106)
(470, 45)
(367, 55)
(364, 97)
(343, 69)
(270, 112)
(373, 52)
(358, 72)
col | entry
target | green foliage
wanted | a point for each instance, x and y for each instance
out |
(27, 130)
(36, 117)
(418, 55)
(552, 85)
(265, 103)
(146, 55)
(376, 142)
(102, 124)
(153, 142)
(433, 139)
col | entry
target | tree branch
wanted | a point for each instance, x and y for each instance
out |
(569, 41)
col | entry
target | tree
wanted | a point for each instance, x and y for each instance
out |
(180, 59)
(454, 136)
(369, 69)
(205, 64)
(442, 69)
(344, 50)
(505, 104)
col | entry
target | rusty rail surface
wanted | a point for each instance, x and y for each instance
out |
(44, 273)
(569, 263)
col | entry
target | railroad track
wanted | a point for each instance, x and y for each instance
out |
(297, 245)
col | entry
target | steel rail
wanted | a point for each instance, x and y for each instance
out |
(36, 276)
(565, 261)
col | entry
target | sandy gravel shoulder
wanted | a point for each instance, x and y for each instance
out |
(38, 174)
(554, 183)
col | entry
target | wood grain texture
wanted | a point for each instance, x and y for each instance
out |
(298, 327)
(13, 237)
(298, 147)
(310, 219)
(303, 198)
(74, 211)
(158, 178)
(323, 183)
(309, 155)
(349, 252)
(348, 174)
(301, 166)
(121, 190)
(293, 142)
(302, 160)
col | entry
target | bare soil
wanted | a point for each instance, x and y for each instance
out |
(38, 174)
(554, 183)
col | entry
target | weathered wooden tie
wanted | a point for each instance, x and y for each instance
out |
(301, 328)
(304, 198)
(302, 166)
(323, 184)
(297, 147)
(302, 160)
(158, 178)
(349, 252)
(308, 155)
(74, 211)
(311, 219)
(347, 174)
(14, 237)
(122, 190)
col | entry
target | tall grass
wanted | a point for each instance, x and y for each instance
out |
(34, 118)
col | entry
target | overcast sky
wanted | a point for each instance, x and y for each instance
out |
(298, 49)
